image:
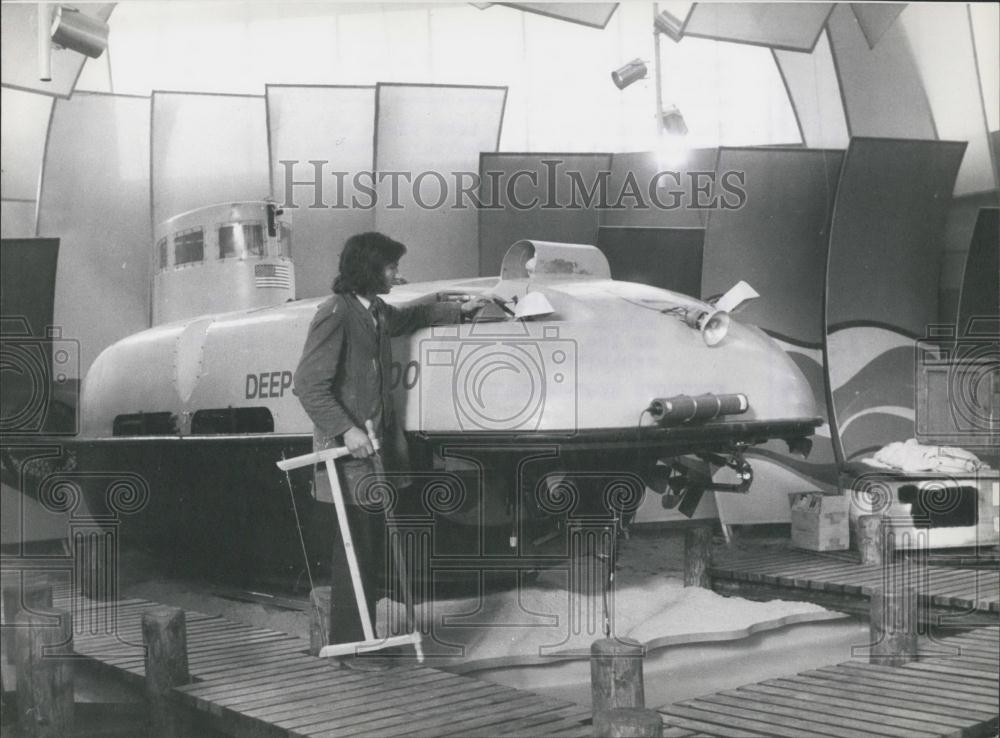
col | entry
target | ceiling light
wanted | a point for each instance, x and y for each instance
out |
(629, 73)
(79, 32)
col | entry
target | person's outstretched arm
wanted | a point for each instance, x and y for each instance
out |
(420, 314)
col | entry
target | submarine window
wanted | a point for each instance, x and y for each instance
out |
(145, 424)
(285, 241)
(253, 234)
(237, 239)
(232, 420)
(189, 246)
(161, 248)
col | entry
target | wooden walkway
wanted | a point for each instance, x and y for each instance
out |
(259, 682)
(832, 578)
(954, 695)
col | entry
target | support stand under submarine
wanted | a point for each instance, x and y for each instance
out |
(519, 424)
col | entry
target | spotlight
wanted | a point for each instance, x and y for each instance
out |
(672, 147)
(668, 25)
(672, 122)
(629, 73)
(76, 31)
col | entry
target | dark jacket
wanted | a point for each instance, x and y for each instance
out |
(343, 376)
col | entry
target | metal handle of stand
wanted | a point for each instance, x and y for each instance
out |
(327, 457)
(397, 555)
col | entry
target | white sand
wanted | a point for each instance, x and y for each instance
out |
(561, 614)
(546, 621)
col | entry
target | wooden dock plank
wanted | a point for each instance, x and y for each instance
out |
(728, 724)
(831, 712)
(971, 589)
(929, 696)
(548, 723)
(359, 702)
(288, 702)
(863, 701)
(785, 717)
(481, 712)
(914, 681)
(444, 705)
(709, 724)
(399, 717)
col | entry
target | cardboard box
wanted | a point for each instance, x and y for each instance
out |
(819, 522)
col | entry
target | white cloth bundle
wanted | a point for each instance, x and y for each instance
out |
(910, 456)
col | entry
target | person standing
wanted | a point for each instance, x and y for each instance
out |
(342, 381)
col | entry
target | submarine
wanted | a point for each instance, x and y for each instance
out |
(571, 395)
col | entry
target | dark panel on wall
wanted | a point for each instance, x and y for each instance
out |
(794, 26)
(883, 93)
(886, 235)
(960, 224)
(28, 281)
(676, 207)
(980, 296)
(35, 394)
(777, 241)
(544, 203)
(886, 245)
(670, 258)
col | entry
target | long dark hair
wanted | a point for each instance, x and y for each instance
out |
(363, 262)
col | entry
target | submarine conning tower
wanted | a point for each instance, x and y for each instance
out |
(221, 258)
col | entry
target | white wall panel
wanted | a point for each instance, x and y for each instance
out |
(17, 218)
(941, 38)
(25, 121)
(883, 92)
(207, 149)
(811, 80)
(986, 32)
(433, 129)
(335, 125)
(95, 200)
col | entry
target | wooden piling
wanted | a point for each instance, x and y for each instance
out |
(697, 556)
(893, 626)
(616, 674)
(319, 619)
(628, 722)
(43, 639)
(29, 593)
(871, 540)
(164, 634)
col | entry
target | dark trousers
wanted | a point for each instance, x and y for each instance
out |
(368, 531)
(364, 493)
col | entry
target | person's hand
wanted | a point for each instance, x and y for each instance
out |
(358, 443)
(474, 304)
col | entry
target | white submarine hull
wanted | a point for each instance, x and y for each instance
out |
(202, 408)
